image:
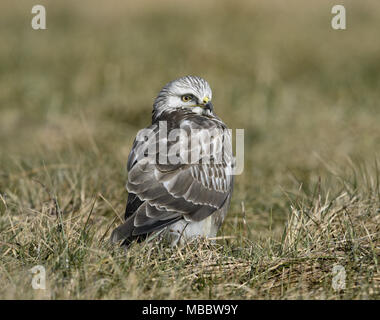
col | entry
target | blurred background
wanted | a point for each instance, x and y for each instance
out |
(73, 97)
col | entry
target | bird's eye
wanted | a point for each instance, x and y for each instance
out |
(187, 97)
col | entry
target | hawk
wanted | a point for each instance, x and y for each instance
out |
(179, 199)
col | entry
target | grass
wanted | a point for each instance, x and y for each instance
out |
(73, 97)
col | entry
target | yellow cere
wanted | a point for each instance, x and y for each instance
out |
(205, 99)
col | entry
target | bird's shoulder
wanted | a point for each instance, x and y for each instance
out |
(186, 119)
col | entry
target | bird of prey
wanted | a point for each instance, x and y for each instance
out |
(182, 200)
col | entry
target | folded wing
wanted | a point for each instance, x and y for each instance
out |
(161, 194)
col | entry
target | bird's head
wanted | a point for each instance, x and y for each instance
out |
(189, 92)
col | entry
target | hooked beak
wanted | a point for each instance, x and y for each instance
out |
(208, 106)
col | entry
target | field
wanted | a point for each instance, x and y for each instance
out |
(73, 97)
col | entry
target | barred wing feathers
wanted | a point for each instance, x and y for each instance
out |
(161, 194)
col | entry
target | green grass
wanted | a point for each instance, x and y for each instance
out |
(73, 97)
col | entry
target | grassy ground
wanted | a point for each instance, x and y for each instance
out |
(72, 98)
